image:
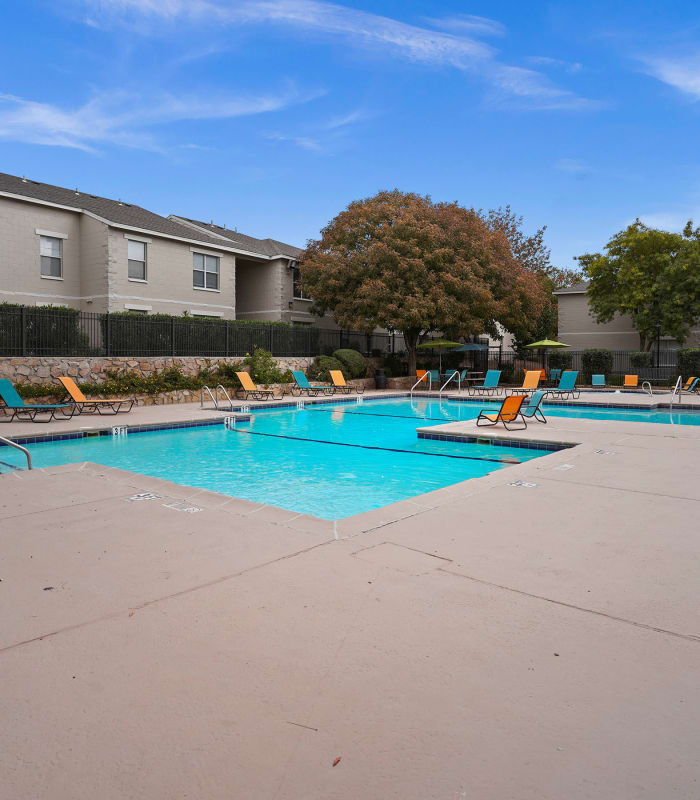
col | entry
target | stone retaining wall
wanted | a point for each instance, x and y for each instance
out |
(38, 370)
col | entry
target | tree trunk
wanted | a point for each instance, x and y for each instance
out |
(410, 338)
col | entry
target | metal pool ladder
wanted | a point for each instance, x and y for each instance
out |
(26, 452)
(427, 377)
(677, 390)
(455, 374)
(646, 387)
(215, 397)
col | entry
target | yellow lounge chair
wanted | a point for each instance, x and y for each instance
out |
(339, 384)
(686, 386)
(508, 413)
(631, 381)
(530, 382)
(83, 405)
(251, 390)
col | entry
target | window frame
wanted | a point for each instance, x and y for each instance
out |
(297, 293)
(143, 261)
(205, 272)
(58, 258)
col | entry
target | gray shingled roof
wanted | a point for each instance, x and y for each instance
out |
(266, 247)
(577, 288)
(115, 211)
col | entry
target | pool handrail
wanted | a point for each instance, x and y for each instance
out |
(426, 375)
(226, 395)
(451, 377)
(26, 452)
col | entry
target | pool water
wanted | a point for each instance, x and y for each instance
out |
(331, 461)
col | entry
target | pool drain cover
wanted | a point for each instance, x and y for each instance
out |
(143, 496)
(183, 507)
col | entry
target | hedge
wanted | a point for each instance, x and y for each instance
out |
(596, 362)
(689, 361)
(320, 367)
(355, 363)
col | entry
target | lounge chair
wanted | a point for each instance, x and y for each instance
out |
(567, 385)
(508, 413)
(249, 389)
(554, 375)
(694, 387)
(339, 384)
(688, 384)
(14, 403)
(429, 377)
(533, 410)
(490, 384)
(454, 376)
(530, 382)
(598, 381)
(631, 381)
(83, 405)
(304, 387)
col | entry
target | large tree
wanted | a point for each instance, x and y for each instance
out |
(532, 254)
(399, 261)
(651, 275)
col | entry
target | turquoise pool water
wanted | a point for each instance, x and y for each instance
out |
(341, 460)
(331, 460)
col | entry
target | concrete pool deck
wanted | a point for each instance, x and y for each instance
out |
(532, 634)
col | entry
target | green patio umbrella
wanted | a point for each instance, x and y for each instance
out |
(544, 345)
(440, 345)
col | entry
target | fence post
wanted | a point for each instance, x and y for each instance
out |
(228, 326)
(172, 336)
(108, 335)
(23, 323)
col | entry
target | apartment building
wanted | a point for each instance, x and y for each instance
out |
(66, 247)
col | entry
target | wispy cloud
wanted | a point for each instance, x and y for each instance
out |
(456, 49)
(572, 166)
(680, 73)
(546, 61)
(346, 119)
(669, 220)
(468, 23)
(304, 142)
(124, 119)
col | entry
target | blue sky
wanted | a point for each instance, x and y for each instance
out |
(271, 116)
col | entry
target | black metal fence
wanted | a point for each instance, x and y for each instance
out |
(41, 331)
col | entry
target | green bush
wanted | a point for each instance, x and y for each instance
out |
(560, 359)
(320, 367)
(355, 363)
(507, 373)
(596, 362)
(395, 365)
(640, 360)
(689, 361)
(263, 368)
(42, 331)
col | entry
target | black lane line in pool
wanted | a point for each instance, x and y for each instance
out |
(372, 447)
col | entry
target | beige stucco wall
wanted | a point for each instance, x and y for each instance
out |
(20, 274)
(578, 328)
(93, 264)
(168, 288)
(258, 289)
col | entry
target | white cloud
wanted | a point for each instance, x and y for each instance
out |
(468, 23)
(346, 119)
(546, 61)
(669, 220)
(681, 73)
(361, 29)
(304, 142)
(121, 118)
(572, 166)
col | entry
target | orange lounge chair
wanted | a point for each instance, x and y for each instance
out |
(530, 382)
(688, 384)
(631, 381)
(508, 413)
(251, 390)
(83, 405)
(339, 384)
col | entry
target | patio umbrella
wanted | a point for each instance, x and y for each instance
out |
(472, 347)
(440, 345)
(544, 345)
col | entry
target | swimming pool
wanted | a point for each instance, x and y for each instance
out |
(331, 461)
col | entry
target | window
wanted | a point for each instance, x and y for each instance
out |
(206, 271)
(297, 291)
(51, 250)
(137, 260)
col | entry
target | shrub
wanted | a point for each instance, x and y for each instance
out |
(507, 373)
(355, 362)
(263, 368)
(689, 361)
(560, 359)
(319, 369)
(394, 365)
(597, 362)
(640, 360)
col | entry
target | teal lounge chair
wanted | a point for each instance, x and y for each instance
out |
(554, 375)
(533, 410)
(490, 384)
(567, 385)
(454, 376)
(598, 381)
(304, 387)
(434, 378)
(694, 386)
(14, 403)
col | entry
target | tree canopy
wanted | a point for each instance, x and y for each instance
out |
(400, 261)
(651, 275)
